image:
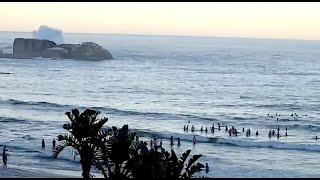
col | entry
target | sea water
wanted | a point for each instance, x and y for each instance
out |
(158, 84)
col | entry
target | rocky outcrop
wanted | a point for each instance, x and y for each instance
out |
(28, 48)
(55, 52)
(90, 51)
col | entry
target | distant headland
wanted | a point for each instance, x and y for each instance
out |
(31, 48)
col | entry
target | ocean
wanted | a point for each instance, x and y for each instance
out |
(158, 84)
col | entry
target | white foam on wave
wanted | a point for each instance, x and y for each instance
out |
(270, 144)
(49, 33)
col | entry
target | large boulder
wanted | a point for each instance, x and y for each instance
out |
(26, 48)
(90, 51)
(54, 52)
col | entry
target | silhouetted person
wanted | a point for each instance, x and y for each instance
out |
(277, 119)
(201, 129)
(43, 143)
(226, 128)
(171, 140)
(207, 168)
(206, 130)
(4, 157)
(161, 143)
(286, 129)
(236, 132)
(155, 143)
(273, 133)
(269, 134)
(249, 132)
(286, 134)
(316, 138)
(151, 143)
(54, 143)
(178, 141)
(194, 140)
(229, 132)
(257, 134)
(213, 126)
(243, 128)
(187, 128)
(184, 128)
(219, 126)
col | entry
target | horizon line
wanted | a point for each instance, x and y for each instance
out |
(172, 35)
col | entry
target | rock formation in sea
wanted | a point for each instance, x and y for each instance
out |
(29, 48)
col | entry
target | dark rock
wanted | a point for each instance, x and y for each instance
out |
(54, 52)
(91, 51)
(26, 48)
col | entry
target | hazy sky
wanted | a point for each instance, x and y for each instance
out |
(265, 20)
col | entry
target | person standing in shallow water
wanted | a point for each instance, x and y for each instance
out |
(207, 168)
(178, 141)
(54, 143)
(194, 139)
(43, 143)
(171, 140)
(4, 157)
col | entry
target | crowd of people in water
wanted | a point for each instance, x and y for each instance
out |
(232, 131)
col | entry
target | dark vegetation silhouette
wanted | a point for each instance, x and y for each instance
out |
(118, 153)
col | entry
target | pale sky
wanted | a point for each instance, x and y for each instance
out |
(285, 20)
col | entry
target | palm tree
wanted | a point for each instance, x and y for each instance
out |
(116, 150)
(84, 136)
(160, 164)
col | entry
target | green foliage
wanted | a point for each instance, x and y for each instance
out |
(118, 153)
(84, 136)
